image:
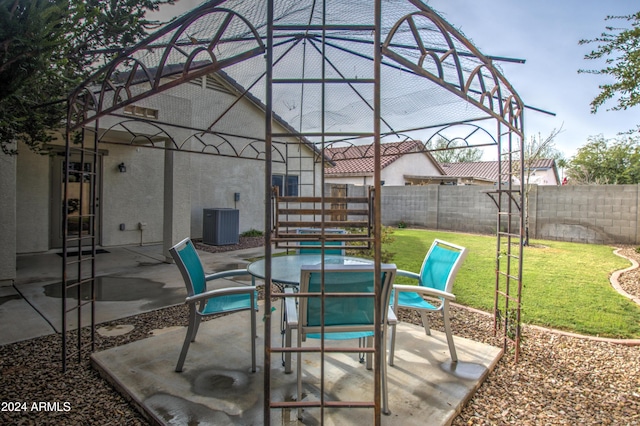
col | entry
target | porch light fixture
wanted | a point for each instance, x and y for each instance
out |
(122, 168)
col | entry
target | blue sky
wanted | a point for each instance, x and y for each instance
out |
(545, 33)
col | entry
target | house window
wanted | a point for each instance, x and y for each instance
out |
(139, 111)
(287, 184)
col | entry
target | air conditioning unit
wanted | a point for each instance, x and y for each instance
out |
(220, 226)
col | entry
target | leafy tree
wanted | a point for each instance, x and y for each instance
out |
(562, 164)
(606, 161)
(538, 148)
(621, 49)
(48, 47)
(453, 151)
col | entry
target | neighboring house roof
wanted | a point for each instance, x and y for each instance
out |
(358, 159)
(488, 170)
(478, 169)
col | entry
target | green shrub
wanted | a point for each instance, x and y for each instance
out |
(252, 233)
(386, 239)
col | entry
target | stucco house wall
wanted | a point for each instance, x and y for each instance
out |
(7, 219)
(141, 194)
(543, 177)
(393, 175)
(358, 180)
(408, 164)
(33, 185)
(134, 197)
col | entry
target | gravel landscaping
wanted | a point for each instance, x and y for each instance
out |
(559, 379)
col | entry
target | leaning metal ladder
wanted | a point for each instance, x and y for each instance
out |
(375, 404)
(79, 241)
(509, 199)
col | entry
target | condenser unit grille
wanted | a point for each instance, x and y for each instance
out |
(220, 226)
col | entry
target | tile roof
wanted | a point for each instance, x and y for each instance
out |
(358, 159)
(486, 169)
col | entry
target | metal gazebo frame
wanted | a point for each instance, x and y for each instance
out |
(134, 75)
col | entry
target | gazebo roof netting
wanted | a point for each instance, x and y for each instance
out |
(323, 70)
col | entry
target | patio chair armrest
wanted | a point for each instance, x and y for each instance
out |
(226, 274)
(290, 309)
(391, 316)
(220, 292)
(409, 274)
(424, 291)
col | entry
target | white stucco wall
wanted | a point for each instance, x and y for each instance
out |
(214, 180)
(7, 219)
(540, 177)
(409, 164)
(349, 180)
(392, 175)
(33, 186)
(202, 181)
(176, 224)
(543, 177)
(132, 197)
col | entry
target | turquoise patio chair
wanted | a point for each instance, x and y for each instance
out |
(345, 317)
(314, 247)
(203, 302)
(434, 290)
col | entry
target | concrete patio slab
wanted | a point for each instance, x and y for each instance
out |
(18, 318)
(119, 294)
(131, 280)
(217, 387)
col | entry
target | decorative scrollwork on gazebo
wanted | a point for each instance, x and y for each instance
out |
(441, 59)
(187, 48)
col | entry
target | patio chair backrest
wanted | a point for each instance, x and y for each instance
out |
(441, 265)
(343, 314)
(314, 247)
(186, 257)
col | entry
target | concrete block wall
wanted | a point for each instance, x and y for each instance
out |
(412, 205)
(460, 208)
(596, 214)
(466, 209)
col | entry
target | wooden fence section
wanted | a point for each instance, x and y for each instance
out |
(323, 219)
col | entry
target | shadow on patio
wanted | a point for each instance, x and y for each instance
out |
(216, 386)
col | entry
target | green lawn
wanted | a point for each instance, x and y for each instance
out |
(566, 285)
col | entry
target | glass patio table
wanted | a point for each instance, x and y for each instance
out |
(285, 270)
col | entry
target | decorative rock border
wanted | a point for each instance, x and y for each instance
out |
(115, 330)
(614, 277)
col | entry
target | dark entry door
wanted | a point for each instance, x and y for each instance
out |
(79, 198)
